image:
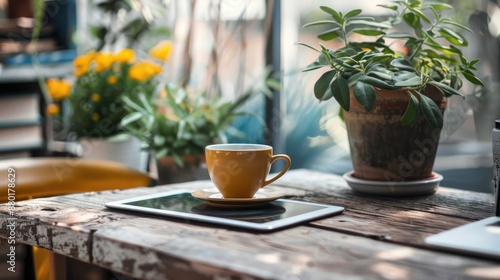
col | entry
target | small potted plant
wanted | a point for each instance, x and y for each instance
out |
(95, 101)
(393, 99)
(177, 125)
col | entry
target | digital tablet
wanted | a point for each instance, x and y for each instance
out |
(480, 238)
(270, 216)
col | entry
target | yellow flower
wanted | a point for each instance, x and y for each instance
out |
(80, 71)
(103, 60)
(125, 55)
(58, 89)
(95, 97)
(81, 64)
(95, 117)
(52, 109)
(112, 80)
(162, 50)
(143, 70)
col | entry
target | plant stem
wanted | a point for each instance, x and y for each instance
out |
(344, 34)
(417, 50)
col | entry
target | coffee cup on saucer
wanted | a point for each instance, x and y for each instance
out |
(240, 170)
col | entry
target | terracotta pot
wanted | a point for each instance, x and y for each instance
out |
(20, 8)
(382, 148)
(170, 172)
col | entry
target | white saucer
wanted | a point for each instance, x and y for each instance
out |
(214, 198)
(386, 188)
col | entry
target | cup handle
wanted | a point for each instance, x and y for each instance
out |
(287, 166)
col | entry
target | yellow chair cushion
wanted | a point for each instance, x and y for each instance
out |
(41, 177)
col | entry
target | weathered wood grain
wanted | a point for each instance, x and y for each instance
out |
(401, 220)
(338, 247)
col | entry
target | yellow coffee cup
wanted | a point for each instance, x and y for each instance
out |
(240, 170)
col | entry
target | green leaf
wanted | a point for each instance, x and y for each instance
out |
(403, 76)
(431, 112)
(450, 22)
(438, 6)
(329, 34)
(369, 23)
(413, 42)
(402, 64)
(446, 88)
(130, 118)
(472, 78)
(398, 35)
(201, 139)
(431, 34)
(368, 32)
(453, 37)
(379, 71)
(320, 22)
(353, 13)
(150, 122)
(419, 14)
(308, 46)
(382, 75)
(454, 81)
(335, 15)
(133, 105)
(322, 86)
(444, 49)
(313, 66)
(412, 113)
(381, 57)
(473, 62)
(390, 7)
(344, 64)
(161, 153)
(365, 94)
(412, 82)
(159, 140)
(412, 20)
(324, 59)
(346, 52)
(145, 103)
(376, 82)
(178, 160)
(181, 128)
(357, 57)
(340, 91)
(361, 18)
(354, 79)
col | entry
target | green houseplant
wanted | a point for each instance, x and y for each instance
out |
(176, 126)
(393, 99)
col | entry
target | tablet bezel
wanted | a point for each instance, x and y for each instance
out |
(327, 210)
(472, 239)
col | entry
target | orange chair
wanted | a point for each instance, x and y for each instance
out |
(42, 177)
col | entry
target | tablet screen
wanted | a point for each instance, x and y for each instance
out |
(279, 213)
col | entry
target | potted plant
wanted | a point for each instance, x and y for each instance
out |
(393, 99)
(95, 101)
(177, 125)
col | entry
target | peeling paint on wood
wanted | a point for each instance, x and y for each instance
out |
(376, 238)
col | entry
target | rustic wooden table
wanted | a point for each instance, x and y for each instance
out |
(375, 238)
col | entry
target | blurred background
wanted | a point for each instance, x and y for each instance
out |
(232, 46)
